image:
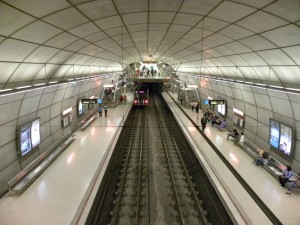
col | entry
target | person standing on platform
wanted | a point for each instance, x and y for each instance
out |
(121, 99)
(105, 110)
(193, 105)
(203, 122)
(125, 99)
(197, 107)
(180, 100)
(100, 110)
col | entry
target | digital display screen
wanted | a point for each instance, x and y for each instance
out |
(25, 140)
(274, 134)
(141, 92)
(222, 109)
(35, 133)
(285, 139)
(80, 107)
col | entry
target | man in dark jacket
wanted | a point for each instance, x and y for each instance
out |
(203, 123)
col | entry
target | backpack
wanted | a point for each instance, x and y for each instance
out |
(258, 161)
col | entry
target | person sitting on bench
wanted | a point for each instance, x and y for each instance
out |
(234, 134)
(285, 176)
(262, 159)
(294, 182)
(216, 121)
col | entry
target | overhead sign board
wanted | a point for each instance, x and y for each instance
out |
(216, 102)
(89, 101)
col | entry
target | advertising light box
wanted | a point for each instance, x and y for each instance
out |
(285, 139)
(28, 137)
(274, 134)
(24, 139)
(35, 133)
(222, 109)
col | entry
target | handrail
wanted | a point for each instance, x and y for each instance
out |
(13, 182)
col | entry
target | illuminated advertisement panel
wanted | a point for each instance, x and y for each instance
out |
(35, 133)
(285, 139)
(222, 109)
(25, 142)
(80, 107)
(274, 134)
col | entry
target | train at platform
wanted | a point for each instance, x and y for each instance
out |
(141, 95)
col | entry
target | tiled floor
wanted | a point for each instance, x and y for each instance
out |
(60, 194)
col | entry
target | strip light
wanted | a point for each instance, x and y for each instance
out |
(67, 111)
(256, 85)
(21, 89)
(238, 111)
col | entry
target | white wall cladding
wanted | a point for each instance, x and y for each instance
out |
(29, 105)
(263, 101)
(259, 106)
(46, 103)
(248, 97)
(251, 110)
(9, 111)
(264, 115)
(282, 107)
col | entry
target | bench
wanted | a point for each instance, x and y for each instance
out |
(222, 126)
(235, 139)
(274, 167)
(30, 173)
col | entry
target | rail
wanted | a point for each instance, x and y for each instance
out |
(250, 191)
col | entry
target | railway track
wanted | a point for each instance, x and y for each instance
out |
(154, 178)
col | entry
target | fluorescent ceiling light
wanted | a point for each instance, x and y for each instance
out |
(23, 87)
(67, 111)
(39, 84)
(275, 86)
(192, 86)
(238, 111)
(6, 90)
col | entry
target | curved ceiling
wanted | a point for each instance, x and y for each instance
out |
(255, 40)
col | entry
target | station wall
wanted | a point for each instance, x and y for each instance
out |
(48, 103)
(259, 105)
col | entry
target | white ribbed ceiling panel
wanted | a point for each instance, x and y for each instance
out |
(248, 36)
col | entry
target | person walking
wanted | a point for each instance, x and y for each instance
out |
(203, 122)
(105, 110)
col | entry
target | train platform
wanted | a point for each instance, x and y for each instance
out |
(63, 190)
(284, 206)
(64, 193)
